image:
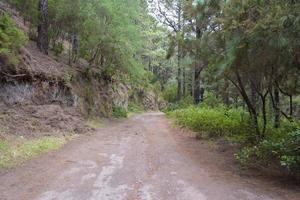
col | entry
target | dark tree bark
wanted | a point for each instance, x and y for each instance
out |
(198, 69)
(291, 106)
(179, 75)
(75, 47)
(254, 96)
(197, 87)
(225, 92)
(42, 39)
(276, 108)
(184, 81)
(264, 111)
(179, 54)
(251, 108)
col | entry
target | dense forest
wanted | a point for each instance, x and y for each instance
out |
(225, 69)
(238, 62)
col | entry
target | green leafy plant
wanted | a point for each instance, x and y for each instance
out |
(13, 153)
(119, 112)
(220, 121)
(58, 48)
(11, 39)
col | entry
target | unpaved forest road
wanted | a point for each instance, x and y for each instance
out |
(142, 158)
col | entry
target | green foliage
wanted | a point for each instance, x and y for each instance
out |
(170, 93)
(110, 33)
(135, 107)
(281, 146)
(11, 39)
(58, 48)
(119, 112)
(13, 153)
(212, 122)
(183, 103)
(211, 100)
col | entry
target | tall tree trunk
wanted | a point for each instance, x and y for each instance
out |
(276, 108)
(291, 106)
(254, 96)
(179, 54)
(75, 47)
(198, 68)
(179, 76)
(184, 81)
(197, 85)
(264, 112)
(226, 92)
(42, 39)
(251, 108)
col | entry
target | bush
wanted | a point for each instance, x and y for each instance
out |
(170, 93)
(135, 107)
(58, 48)
(19, 150)
(184, 103)
(211, 100)
(11, 39)
(211, 122)
(119, 112)
(279, 146)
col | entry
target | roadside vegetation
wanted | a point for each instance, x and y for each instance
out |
(16, 151)
(11, 39)
(237, 76)
(280, 146)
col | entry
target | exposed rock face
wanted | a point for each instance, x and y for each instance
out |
(120, 95)
(148, 99)
(39, 93)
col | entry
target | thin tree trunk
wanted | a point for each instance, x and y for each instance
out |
(42, 39)
(75, 47)
(264, 113)
(184, 81)
(179, 75)
(226, 92)
(291, 106)
(276, 108)
(198, 69)
(251, 108)
(197, 85)
(179, 53)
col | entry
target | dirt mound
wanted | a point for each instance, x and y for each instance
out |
(41, 120)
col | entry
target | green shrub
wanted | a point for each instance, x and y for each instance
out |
(135, 107)
(11, 39)
(119, 112)
(170, 93)
(210, 122)
(184, 103)
(211, 100)
(18, 151)
(281, 146)
(58, 48)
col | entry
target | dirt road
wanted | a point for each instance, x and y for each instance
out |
(142, 158)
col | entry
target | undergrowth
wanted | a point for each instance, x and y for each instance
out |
(280, 145)
(11, 39)
(119, 112)
(15, 152)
